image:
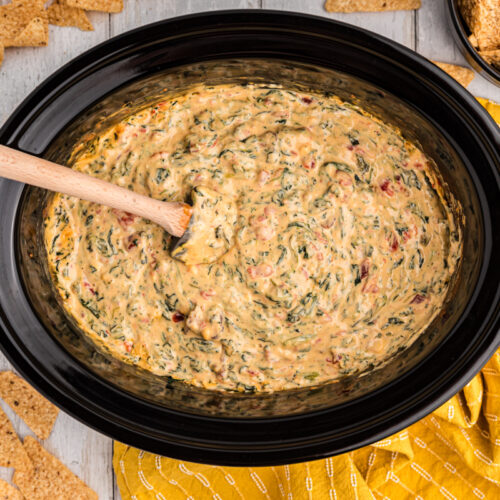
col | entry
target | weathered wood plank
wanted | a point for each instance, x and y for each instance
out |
(86, 452)
(139, 13)
(397, 25)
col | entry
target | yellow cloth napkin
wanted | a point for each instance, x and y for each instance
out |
(454, 453)
(493, 108)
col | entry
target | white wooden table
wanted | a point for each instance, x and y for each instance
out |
(85, 451)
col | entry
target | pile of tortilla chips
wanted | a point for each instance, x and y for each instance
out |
(25, 23)
(483, 19)
(38, 474)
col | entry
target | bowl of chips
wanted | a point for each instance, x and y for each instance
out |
(476, 28)
(165, 416)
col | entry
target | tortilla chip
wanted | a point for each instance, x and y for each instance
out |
(1, 54)
(483, 19)
(100, 5)
(473, 40)
(491, 57)
(8, 492)
(61, 14)
(462, 75)
(371, 5)
(36, 34)
(49, 479)
(23, 23)
(38, 413)
(14, 17)
(12, 453)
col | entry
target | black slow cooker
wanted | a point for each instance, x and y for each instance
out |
(162, 415)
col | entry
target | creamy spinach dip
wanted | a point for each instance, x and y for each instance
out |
(340, 254)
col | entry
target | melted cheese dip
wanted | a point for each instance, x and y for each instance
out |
(340, 253)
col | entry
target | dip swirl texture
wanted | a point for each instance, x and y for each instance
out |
(341, 252)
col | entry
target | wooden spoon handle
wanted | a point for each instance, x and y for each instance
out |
(22, 167)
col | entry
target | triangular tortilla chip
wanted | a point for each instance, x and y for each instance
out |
(473, 40)
(13, 19)
(100, 5)
(36, 34)
(50, 478)
(62, 14)
(371, 5)
(462, 75)
(23, 23)
(8, 492)
(38, 413)
(12, 453)
(491, 57)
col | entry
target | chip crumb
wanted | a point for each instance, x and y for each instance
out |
(61, 14)
(8, 492)
(50, 479)
(462, 75)
(38, 413)
(473, 40)
(483, 19)
(12, 453)
(371, 5)
(491, 57)
(24, 23)
(100, 5)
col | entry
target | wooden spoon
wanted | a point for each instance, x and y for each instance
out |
(174, 217)
(203, 232)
